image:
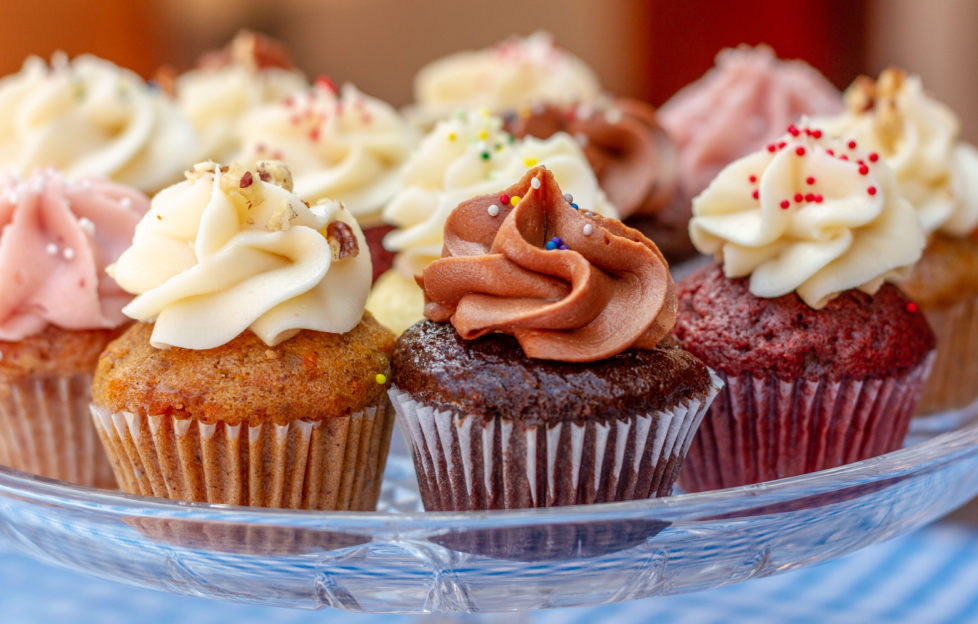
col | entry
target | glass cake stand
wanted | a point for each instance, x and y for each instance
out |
(400, 559)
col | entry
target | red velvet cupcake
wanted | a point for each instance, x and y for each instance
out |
(823, 361)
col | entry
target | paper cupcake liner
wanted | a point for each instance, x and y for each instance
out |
(335, 464)
(763, 428)
(45, 428)
(467, 462)
(953, 382)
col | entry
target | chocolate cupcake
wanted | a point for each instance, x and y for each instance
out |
(823, 362)
(895, 120)
(254, 376)
(635, 161)
(555, 382)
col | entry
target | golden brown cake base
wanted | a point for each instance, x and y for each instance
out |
(45, 427)
(304, 424)
(945, 286)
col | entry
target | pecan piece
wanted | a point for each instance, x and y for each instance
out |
(342, 240)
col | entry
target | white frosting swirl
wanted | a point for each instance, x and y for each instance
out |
(810, 214)
(345, 146)
(221, 253)
(467, 156)
(216, 98)
(511, 74)
(918, 138)
(90, 117)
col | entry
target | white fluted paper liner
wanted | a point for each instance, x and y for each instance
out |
(45, 429)
(336, 463)
(953, 383)
(764, 428)
(465, 461)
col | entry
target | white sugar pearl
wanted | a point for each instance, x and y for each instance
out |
(535, 183)
(588, 229)
(68, 253)
(52, 249)
(568, 198)
(493, 210)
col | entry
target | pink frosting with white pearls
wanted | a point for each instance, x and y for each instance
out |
(57, 238)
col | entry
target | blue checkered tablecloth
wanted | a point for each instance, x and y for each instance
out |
(928, 576)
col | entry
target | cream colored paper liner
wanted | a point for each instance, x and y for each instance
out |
(335, 464)
(763, 428)
(953, 383)
(45, 429)
(467, 462)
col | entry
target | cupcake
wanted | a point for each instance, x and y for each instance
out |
(737, 107)
(90, 117)
(514, 74)
(58, 310)
(633, 158)
(462, 157)
(543, 374)
(252, 71)
(254, 376)
(895, 120)
(823, 359)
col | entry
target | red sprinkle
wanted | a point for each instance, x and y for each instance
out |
(504, 199)
(753, 178)
(863, 170)
(830, 152)
(810, 197)
(800, 150)
(785, 203)
(772, 147)
(911, 307)
(781, 144)
(809, 180)
(754, 194)
(818, 199)
(323, 82)
(793, 131)
(871, 190)
(843, 157)
(873, 157)
(314, 134)
(851, 144)
(798, 198)
(817, 133)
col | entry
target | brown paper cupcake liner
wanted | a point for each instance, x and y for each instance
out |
(45, 428)
(335, 464)
(763, 428)
(467, 462)
(953, 382)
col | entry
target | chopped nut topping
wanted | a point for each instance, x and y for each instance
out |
(342, 240)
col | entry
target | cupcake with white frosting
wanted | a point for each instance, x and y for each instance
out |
(897, 121)
(465, 156)
(88, 116)
(824, 359)
(254, 376)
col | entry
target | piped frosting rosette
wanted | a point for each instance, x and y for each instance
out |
(919, 138)
(231, 249)
(90, 117)
(250, 72)
(811, 214)
(568, 284)
(512, 74)
(339, 144)
(631, 155)
(58, 236)
(746, 100)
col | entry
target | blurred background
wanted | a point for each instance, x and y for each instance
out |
(646, 49)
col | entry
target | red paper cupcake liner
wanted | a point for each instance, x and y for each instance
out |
(763, 428)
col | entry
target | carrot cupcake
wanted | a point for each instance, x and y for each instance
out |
(895, 120)
(58, 310)
(254, 376)
(543, 374)
(823, 359)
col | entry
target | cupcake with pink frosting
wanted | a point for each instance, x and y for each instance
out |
(58, 310)
(737, 107)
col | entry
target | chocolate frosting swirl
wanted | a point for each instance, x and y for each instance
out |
(631, 155)
(609, 290)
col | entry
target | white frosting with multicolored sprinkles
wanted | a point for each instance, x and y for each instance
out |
(808, 213)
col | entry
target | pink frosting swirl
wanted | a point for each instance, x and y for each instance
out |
(57, 238)
(737, 107)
